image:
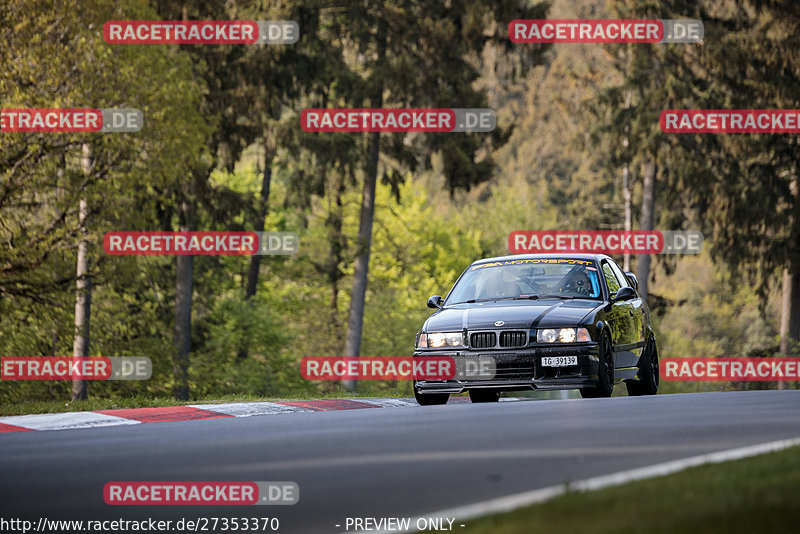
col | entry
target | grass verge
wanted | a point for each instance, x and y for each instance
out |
(759, 494)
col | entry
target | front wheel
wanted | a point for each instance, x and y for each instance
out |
(605, 371)
(430, 399)
(648, 373)
(483, 395)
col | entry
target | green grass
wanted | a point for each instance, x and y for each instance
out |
(759, 494)
(143, 401)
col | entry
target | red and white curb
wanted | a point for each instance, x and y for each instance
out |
(134, 416)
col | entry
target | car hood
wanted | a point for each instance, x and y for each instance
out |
(523, 314)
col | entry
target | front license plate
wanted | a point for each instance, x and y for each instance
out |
(559, 361)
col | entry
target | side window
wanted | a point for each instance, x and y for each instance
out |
(623, 280)
(611, 279)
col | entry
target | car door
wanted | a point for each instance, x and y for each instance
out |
(638, 307)
(621, 321)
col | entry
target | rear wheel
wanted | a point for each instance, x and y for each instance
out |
(483, 395)
(605, 371)
(430, 399)
(648, 373)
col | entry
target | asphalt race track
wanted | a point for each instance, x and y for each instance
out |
(390, 462)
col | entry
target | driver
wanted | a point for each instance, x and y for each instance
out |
(579, 283)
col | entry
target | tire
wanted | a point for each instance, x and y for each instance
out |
(648, 373)
(483, 395)
(605, 371)
(430, 399)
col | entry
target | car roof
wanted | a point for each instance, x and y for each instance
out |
(593, 257)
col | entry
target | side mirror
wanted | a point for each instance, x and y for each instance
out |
(435, 302)
(625, 293)
(633, 280)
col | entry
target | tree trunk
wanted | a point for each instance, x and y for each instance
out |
(183, 295)
(648, 201)
(263, 209)
(358, 296)
(626, 193)
(183, 312)
(790, 301)
(790, 309)
(335, 254)
(83, 296)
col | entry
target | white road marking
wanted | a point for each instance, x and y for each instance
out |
(66, 421)
(527, 498)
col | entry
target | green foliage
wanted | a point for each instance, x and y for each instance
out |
(712, 315)
(416, 253)
(215, 367)
(215, 115)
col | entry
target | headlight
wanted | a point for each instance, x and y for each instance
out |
(422, 340)
(440, 340)
(563, 335)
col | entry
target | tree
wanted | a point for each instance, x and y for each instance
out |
(52, 203)
(742, 188)
(311, 69)
(414, 54)
(83, 297)
(628, 112)
(746, 185)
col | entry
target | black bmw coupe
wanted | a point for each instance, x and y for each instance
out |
(545, 322)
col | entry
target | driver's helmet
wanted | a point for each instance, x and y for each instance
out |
(580, 282)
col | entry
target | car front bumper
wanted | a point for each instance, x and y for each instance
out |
(521, 369)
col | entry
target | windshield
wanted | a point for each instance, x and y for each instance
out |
(531, 278)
